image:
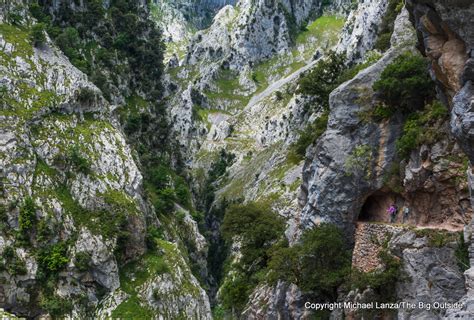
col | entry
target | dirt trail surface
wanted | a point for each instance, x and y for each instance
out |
(278, 84)
(445, 227)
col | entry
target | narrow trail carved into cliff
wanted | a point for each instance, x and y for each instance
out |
(278, 84)
(449, 228)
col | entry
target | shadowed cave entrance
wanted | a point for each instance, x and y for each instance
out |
(376, 205)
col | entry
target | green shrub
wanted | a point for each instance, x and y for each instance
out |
(160, 176)
(308, 136)
(44, 233)
(152, 234)
(318, 265)
(183, 195)
(434, 111)
(412, 130)
(9, 252)
(69, 42)
(381, 111)
(462, 253)
(27, 218)
(405, 84)
(383, 41)
(323, 78)
(329, 73)
(198, 216)
(258, 229)
(53, 258)
(349, 73)
(16, 267)
(133, 124)
(421, 128)
(38, 34)
(37, 12)
(86, 96)
(79, 162)
(279, 95)
(165, 201)
(14, 17)
(56, 306)
(235, 292)
(12, 263)
(83, 261)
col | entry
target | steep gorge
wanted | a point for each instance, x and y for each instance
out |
(121, 177)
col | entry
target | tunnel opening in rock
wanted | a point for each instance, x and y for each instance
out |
(376, 205)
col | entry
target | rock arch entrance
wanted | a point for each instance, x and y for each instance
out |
(375, 206)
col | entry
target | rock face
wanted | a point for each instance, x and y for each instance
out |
(330, 192)
(40, 122)
(446, 37)
(235, 39)
(73, 184)
(267, 124)
(282, 301)
(196, 14)
(429, 272)
(435, 186)
(71, 191)
(360, 31)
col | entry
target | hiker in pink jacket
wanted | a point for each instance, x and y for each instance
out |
(392, 211)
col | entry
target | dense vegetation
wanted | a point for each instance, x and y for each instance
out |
(406, 88)
(321, 248)
(121, 51)
(257, 228)
(323, 78)
(96, 40)
(266, 257)
(405, 85)
(422, 127)
(382, 281)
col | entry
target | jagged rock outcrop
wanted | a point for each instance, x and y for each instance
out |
(74, 211)
(283, 301)
(430, 273)
(435, 187)
(42, 122)
(235, 40)
(331, 194)
(177, 18)
(447, 38)
(233, 89)
(360, 31)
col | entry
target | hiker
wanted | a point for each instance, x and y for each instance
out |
(406, 212)
(391, 211)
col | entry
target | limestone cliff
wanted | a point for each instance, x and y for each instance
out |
(446, 37)
(127, 153)
(75, 213)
